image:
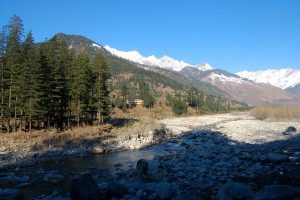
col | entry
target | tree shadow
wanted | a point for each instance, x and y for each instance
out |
(286, 171)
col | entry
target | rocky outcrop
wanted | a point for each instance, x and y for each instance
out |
(11, 194)
(151, 170)
(85, 187)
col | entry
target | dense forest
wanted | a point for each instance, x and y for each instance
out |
(63, 82)
(47, 85)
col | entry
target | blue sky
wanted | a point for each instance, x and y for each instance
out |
(230, 34)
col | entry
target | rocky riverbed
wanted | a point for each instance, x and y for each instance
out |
(230, 156)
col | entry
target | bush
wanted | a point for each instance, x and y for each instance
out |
(279, 112)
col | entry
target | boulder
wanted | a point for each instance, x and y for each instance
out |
(85, 187)
(277, 157)
(164, 190)
(272, 192)
(234, 190)
(53, 177)
(97, 149)
(11, 194)
(290, 129)
(117, 190)
(150, 170)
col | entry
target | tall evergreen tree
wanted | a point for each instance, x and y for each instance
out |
(3, 74)
(102, 93)
(14, 63)
(30, 94)
(78, 89)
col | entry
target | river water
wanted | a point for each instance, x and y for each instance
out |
(31, 180)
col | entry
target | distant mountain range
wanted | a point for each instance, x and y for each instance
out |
(250, 87)
(163, 62)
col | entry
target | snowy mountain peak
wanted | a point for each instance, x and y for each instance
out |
(164, 62)
(282, 78)
(204, 67)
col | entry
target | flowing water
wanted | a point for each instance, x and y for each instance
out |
(32, 181)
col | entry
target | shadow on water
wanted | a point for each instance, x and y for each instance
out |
(104, 165)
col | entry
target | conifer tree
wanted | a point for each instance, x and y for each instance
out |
(30, 94)
(102, 93)
(3, 83)
(14, 60)
(78, 89)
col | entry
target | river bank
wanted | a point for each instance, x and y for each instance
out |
(205, 156)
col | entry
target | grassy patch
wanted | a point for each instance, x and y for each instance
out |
(278, 112)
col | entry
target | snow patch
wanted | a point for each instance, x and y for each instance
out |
(204, 67)
(225, 79)
(163, 62)
(96, 45)
(282, 78)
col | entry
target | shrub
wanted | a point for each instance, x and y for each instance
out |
(278, 112)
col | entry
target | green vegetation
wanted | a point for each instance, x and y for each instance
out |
(47, 85)
(50, 85)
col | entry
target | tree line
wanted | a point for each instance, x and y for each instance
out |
(46, 85)
(180, 102)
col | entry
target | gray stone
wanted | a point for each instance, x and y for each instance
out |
(151, 170)
(181, 174)
(277, 157)
(85, 187)
(116, 190)
(11, 194)
(234, 190)
(53, 177)
(273, 192)
(185, 197)
(291, 129)
(97, 149)
(164, 190)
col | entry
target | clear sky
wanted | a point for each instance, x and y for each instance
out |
(230, 34)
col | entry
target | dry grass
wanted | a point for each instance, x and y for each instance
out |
(279, 112)
(40, 140)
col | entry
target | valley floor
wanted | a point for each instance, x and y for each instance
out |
(224, 156)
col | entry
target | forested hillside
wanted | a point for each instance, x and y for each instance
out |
(161, 82)
(71, 81)
(49, 85)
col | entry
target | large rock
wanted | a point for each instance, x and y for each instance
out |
(116, 190)
(272, 192)
(11, 194)
(291, 129)
(96, 149)
(150, 170)
(233, 190)
(277, 157)
(85, 187)
(53, 177)
(164, 190)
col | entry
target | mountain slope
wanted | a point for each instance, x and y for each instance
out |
(241, 89)
(163, 62)
(295, 89)
(282, 78)
(135, 71)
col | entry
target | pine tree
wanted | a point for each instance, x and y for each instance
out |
(14, 60)
(30, 94)
(3, 73)
(145, 94)
(78, 89)
(102, 72)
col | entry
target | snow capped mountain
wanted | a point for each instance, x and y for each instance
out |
(163, 62)
(224, 79)
(282, 78)
(204, 67)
